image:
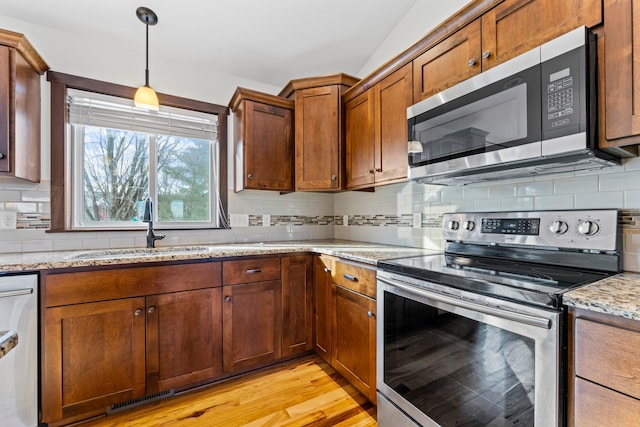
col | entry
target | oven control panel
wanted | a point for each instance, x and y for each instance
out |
(579, 229)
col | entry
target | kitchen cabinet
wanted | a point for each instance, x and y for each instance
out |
(346, 321)
(319, 131)
(510, 28)
(115, 334)
(297, 305)
(604, 370)
(376, 132)
(263, 141)
(621, 81)
(252, 310)
(322, 266)
(20, 70)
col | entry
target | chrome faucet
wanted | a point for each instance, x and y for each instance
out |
(148, 217)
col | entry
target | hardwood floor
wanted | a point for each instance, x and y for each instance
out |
(304, 392)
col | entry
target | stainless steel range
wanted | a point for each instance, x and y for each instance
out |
(474, 336)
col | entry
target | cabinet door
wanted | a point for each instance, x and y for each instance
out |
(354, 339)
(184, 339)
(516, 26)
(5, 107)
(622, 74)
(252, 322)
(268, 147)
(392, 97)
(322, 306)
(297, 308)
(360, 140)
(318, 138)
(94, 357)
(451, 61)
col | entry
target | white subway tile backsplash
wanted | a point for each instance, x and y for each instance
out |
(535, 188)
(517, 204)
(501, 191)
(475, 193)
(619, 181)
(632, 199)
(570, 185)
(601, 200)
(559, 201)
(486, 206)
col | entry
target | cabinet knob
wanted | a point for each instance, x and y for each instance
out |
(1, 155)
(151, 310)
(333, 177)
(471, 62)
(486, 54)
(227, 299)
(326, 270)
(370, 314)
(378, 170)
(250, 176)
(371, 171)
(138, 312)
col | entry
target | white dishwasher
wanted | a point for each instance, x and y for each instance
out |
(19, 367)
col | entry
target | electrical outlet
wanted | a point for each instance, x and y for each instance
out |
(8, 220)
(239, 220)
(266, 220)
(417, 220)
(345, 220)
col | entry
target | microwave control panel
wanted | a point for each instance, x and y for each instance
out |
(563, 82)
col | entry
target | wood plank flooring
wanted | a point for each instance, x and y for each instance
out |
(304, 392)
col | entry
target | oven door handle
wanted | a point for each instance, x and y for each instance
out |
(527, 319)
(17, 292)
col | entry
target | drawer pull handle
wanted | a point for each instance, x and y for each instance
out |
(152, 310)
(254, 271)
(1, 155)
(227, 299)
(370, 314)
(350, 277)
(138, 312)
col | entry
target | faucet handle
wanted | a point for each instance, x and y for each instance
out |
(148, 210)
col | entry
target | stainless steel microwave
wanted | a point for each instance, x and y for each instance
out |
(534, 114)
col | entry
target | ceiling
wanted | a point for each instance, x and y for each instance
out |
(270, 41)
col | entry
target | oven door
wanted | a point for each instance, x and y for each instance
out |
(445, 360)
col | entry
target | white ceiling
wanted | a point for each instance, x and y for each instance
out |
(271, 41)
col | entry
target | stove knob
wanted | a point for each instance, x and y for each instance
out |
(469, 225)
(453, 225)
(558, 227)
(588, 228)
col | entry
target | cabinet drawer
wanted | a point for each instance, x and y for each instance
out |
(105, 284)
(250, 270)
(597, 406)
(608, 355)
(356, 278)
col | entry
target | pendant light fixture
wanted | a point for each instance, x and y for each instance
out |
(145, 96)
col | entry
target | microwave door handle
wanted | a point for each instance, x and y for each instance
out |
(526, 319)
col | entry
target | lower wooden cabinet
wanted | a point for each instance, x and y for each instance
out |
(345, 320)
(604, 370)
(297, 305)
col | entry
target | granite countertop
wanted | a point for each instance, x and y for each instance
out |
(369, 253)
(8, 341)
(617, 295)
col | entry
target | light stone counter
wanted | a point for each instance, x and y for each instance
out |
(369, 253)
(8, 340)
(617, 295)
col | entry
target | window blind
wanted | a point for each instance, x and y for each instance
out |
(93, 109)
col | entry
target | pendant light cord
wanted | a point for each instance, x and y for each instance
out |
(146, 70)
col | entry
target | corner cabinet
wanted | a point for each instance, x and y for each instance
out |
(116, 334)
(376, 132)
(263, 141)
(345, 327)
(604, 370)
(20, 71)
(510, 28)
(319, 131)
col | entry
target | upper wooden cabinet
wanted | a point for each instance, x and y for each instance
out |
(319, 131)
(510, 28)
(621, 80)
(376, 134)
(263, 141)
(20, 71)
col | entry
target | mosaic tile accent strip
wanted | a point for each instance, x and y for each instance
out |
(29, 221)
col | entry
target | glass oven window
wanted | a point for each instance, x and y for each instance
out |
(456, 370)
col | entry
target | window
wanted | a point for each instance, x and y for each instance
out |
(116, 155)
